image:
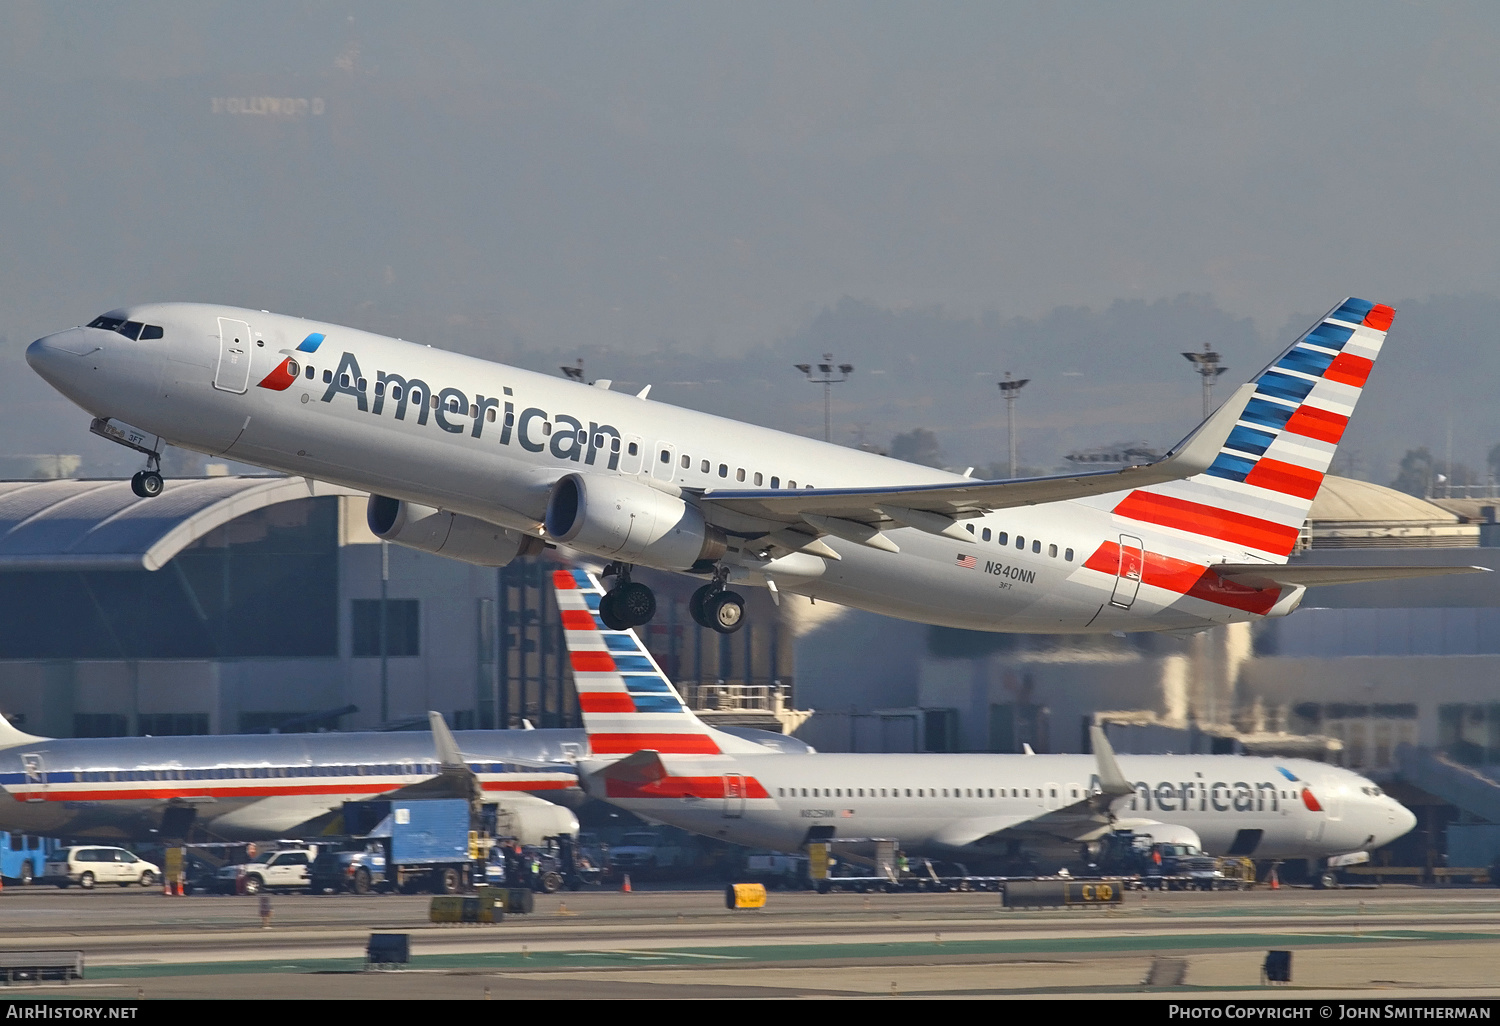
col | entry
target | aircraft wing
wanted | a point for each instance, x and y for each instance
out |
(1084, 820)
(933, 507)
(1265, 575)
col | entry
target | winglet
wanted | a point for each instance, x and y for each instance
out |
(443, 740)
(1197, 452)
(1111, 780)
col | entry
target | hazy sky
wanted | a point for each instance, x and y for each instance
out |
(554, 176)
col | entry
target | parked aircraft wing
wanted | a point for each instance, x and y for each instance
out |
(1191, 456)
(1265, 575)
(454, 779)
(1083, 820)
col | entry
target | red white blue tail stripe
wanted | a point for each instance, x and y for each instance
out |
(1256, 496)
(627, 702)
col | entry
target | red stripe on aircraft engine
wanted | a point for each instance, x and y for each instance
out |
(1349, 369)
(1311, 422)
(1286, 478)
(605, 702)
(577, 620)
(1208, 521)
(684, 787)
(1191, 579)
(667, 744)
(597, 662)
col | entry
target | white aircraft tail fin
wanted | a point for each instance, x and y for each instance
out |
(628, 704)
(12, 736)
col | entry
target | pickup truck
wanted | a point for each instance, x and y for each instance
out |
(645, 852)
(285, 869)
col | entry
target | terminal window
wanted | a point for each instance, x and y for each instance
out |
(402, 628)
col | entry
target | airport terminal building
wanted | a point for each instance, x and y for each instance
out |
(248, 604)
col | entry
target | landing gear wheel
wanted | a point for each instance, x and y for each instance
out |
(698, 606)
(726, 612)
(636, 603)
(1327, 881)
(610, 614)
(147, 484)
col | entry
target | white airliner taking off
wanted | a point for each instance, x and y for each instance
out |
(652, 756)
(480, 462)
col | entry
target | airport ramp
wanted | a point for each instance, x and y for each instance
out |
(1441, 777)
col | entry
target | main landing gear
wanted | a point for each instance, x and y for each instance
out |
(714, 607)
(629, 603)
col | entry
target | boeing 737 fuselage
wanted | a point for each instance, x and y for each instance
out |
(481, 462)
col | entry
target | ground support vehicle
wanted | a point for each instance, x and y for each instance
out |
(285, 869)
(424, 845)
(1169, 866)
(646, 853)
(88, 865)
(24, 857)
(776, 870)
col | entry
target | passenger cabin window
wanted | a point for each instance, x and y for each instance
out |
(1052, 551)
(614, 446)
(1003, 537)
(666, 456)
(1036, 547)
(759, 478)
(489, 415)
(294, 370)
(328, 377)
(775, 482)
(1068, 555)
(633, 448)
(310, 373)
(985, 534)
(703, 467)
(969, 528)
(739, 475)
(687, 461)
(1020, 542)
(723, 470)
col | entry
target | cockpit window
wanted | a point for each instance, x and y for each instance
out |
(134, 330)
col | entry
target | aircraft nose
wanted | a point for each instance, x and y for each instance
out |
(1404, 821)
(56, 356)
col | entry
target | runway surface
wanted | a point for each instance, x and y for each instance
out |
(1391, 942)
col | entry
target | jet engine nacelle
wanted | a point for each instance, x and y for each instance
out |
(446, 534)
(1170, 833)
(530, 820)
(626, 520)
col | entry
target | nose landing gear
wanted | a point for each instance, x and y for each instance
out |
(146, 483)
(716, 608)
(629, 603)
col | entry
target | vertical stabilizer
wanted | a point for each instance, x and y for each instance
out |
(1256, 496)
(12, 737)
(628, 704)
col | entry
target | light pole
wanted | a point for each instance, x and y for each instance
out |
(1206, 364)
(827, 374)
(1008, 388)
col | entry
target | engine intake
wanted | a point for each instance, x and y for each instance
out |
(446, 534)
(626, 520)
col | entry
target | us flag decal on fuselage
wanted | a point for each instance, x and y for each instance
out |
(968, 562)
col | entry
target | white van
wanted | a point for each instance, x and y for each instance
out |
(87, 865)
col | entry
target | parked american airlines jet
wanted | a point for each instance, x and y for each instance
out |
(480, 462)
(652, 756)
(252, 787)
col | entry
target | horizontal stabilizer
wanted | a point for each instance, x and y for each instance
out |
(643, 767)
(1267, 575)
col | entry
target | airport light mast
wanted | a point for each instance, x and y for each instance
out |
(827, 374)
(1009, 388)
(1207, 365)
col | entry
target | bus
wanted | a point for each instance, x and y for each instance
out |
(22, 856)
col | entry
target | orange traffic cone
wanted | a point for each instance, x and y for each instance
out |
(1275, 880)
(625, 887)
